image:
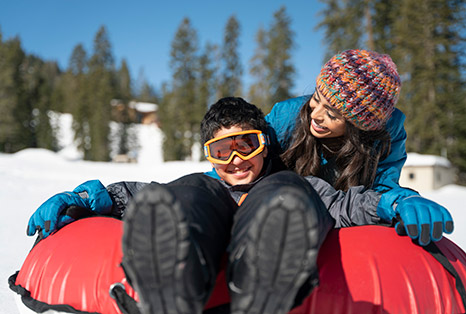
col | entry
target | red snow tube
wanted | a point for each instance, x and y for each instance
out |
(367, 269)
(73, 270)
(370, 269)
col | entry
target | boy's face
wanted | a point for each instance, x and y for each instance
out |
(239, 171)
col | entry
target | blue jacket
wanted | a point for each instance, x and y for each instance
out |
(282, 122)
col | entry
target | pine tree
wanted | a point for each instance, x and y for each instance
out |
(179, 111)
(148, 93)
(123, 116)
(343, 24)
(24, 111)
(48, 102)
(101, 89)
(271, 65)
(74, 90)
(78, 63)
(14, 116)
(206, 85)
(280, 67)
(207, 77)
(38, 85)
(144, 91)
(385, 14)
(7, 98)
(52, 75)
(230, 79)
(124, 82)
(259, 90)
(25, 99)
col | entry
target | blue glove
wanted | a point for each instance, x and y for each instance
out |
(418, 218)
(51, 215)
(423, 219)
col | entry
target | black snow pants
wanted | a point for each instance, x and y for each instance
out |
(219, 225)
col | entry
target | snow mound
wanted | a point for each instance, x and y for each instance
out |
(37, 155)
(453, 189)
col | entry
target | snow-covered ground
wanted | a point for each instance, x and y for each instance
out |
(31, 176)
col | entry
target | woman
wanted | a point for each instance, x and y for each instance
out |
(350, 133)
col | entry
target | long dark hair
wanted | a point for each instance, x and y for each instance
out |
(356, 157)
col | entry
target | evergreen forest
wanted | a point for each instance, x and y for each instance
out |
(426, 39)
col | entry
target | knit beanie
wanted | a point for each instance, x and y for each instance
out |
(362, 85)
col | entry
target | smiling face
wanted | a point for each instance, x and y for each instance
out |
(326, 122)
(239, 171)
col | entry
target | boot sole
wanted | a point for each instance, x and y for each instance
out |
(155, 244)
(281, 253)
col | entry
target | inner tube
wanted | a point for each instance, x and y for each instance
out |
(74, 269)
(366, 269)
(371, 269)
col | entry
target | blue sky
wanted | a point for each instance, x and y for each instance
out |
(141, 31)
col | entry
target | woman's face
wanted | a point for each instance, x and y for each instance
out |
(326, 122)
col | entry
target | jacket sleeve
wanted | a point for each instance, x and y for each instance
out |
(354, 208)
(121, 193)
(389, 169)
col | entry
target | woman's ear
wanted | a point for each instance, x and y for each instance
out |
(265, 152)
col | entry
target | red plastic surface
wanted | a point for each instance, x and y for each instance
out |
(368, 269)
(77, 265)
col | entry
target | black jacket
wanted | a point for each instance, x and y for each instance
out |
(357, 206)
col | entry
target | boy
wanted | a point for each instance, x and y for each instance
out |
(175, 234)
(188, 224)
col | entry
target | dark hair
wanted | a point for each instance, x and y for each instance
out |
(356, 157)
(230, 111)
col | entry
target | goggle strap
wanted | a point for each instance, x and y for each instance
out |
(264, 139)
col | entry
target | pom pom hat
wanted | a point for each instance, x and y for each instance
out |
(362, 85)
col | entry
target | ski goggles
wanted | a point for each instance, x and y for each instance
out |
(244, 144)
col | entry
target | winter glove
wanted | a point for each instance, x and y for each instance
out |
(422, 219)
(55, 212)
(418, 218)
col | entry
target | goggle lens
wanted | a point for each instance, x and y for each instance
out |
(245, 144)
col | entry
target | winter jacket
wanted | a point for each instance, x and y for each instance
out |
(282, 122)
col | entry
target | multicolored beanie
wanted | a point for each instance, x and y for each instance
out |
(362, 85)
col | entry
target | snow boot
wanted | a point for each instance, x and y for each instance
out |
(276, 237)
(171, 252)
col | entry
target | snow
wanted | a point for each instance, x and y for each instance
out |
(31, 176)
(415, 159)
(150, 151)
(143, 106)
